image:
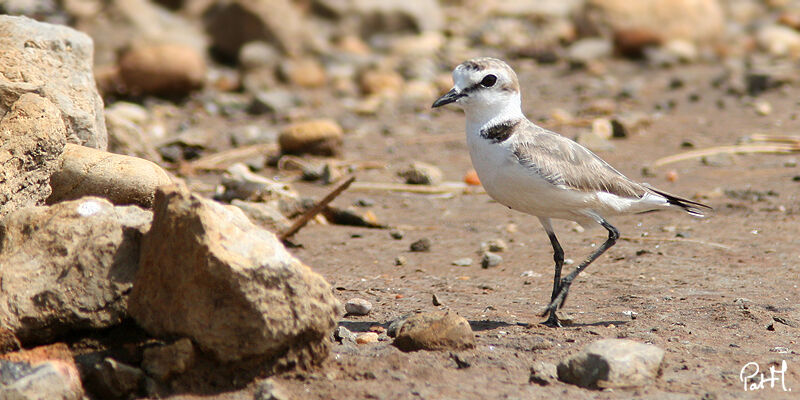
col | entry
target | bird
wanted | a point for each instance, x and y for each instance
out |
(542, 173)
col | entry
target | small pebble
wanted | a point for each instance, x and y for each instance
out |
(396, 234)
(494, 245)
(423, 244)
(435, 300)
(763, 108)
(364, 202)
(358, 306)
(490, 260)
(343, 335)
(400, 260)
(463, 262)
(367, 337)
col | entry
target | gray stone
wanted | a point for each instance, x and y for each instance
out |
(162, 362)
(265, 215)
(434, 331)
(110, 379)
(462, 262)
(357, 306)
(343, 335)
(420, 173)
(123, 180)
(54, 62)
(421, 245)
(268, 389)
(32, 138)
(494, 245)
(490, 260)
(612, 363)
(543, 373)
(243, 296)
(68, 266)
(239, 183)
(42, 373)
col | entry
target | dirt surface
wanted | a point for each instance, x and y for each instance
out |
(715, 293)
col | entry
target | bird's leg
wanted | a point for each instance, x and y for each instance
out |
(558, 257)
(558, 300)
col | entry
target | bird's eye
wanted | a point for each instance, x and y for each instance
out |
(488, 80)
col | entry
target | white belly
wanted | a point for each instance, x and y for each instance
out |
(516, 187)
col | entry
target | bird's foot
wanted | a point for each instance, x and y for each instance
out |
(552, 321)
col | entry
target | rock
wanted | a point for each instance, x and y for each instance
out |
(779, 40)
(110, 379)
(258, 55)
(381, 82)
(420, 173)
(54, 62)
(118, 25)
(243, 295)
(264, 215)
(272, 101)
(395, 325)
(8, 341)
(462, 262)
(397, 234)
(32, 138)
(421, 245)
(343, 335)
(351, 217)
(123, 180)
(634, 42)
(490, 260)
(320, 137)
(694, 20)
(494, 245)
(434, 331)
(612, 363)
(46, 372)
(68, 266)
(388, 16)
(239, 183)
(162, 69)
(126, 131)
(367, 337)
(268, 389)
(161, 362)
(232, 23)
(303, 72)
(543, 373)
(400, 260)
(357, 306)
(587, 50)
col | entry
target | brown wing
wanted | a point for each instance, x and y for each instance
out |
(563, 162)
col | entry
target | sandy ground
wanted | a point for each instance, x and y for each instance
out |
(711, 291)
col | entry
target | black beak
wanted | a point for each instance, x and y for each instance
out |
(448, 98)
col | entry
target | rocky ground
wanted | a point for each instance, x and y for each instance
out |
(412, 283)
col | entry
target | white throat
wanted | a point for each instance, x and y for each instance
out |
(484, 114)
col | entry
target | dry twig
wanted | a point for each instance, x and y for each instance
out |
(311, 213)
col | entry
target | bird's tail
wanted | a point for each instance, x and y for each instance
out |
(691, 207)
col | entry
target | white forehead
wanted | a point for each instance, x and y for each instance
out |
(473, 71)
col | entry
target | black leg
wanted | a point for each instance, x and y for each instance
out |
(558, 257)
(558, 300)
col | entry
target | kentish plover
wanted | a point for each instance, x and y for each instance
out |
(542, 173)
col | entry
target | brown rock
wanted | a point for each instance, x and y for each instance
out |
(320, 137)
(54, 62)
(435, 331)
(32, 138)
(381, 82)
(123, 180)
(162, 69)
(242, 295)
(161, 362)
(67, 267)
(303, 72)
(694, 20)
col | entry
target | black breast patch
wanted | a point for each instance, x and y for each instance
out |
(500, 132)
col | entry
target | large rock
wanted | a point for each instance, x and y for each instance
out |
(54, 62)
(32, 138)
(232, 23)
(693, 20)
(242, 295)
(46, 372)
(123, 180)
(67, 267)
(612, 363)
(435, 331)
